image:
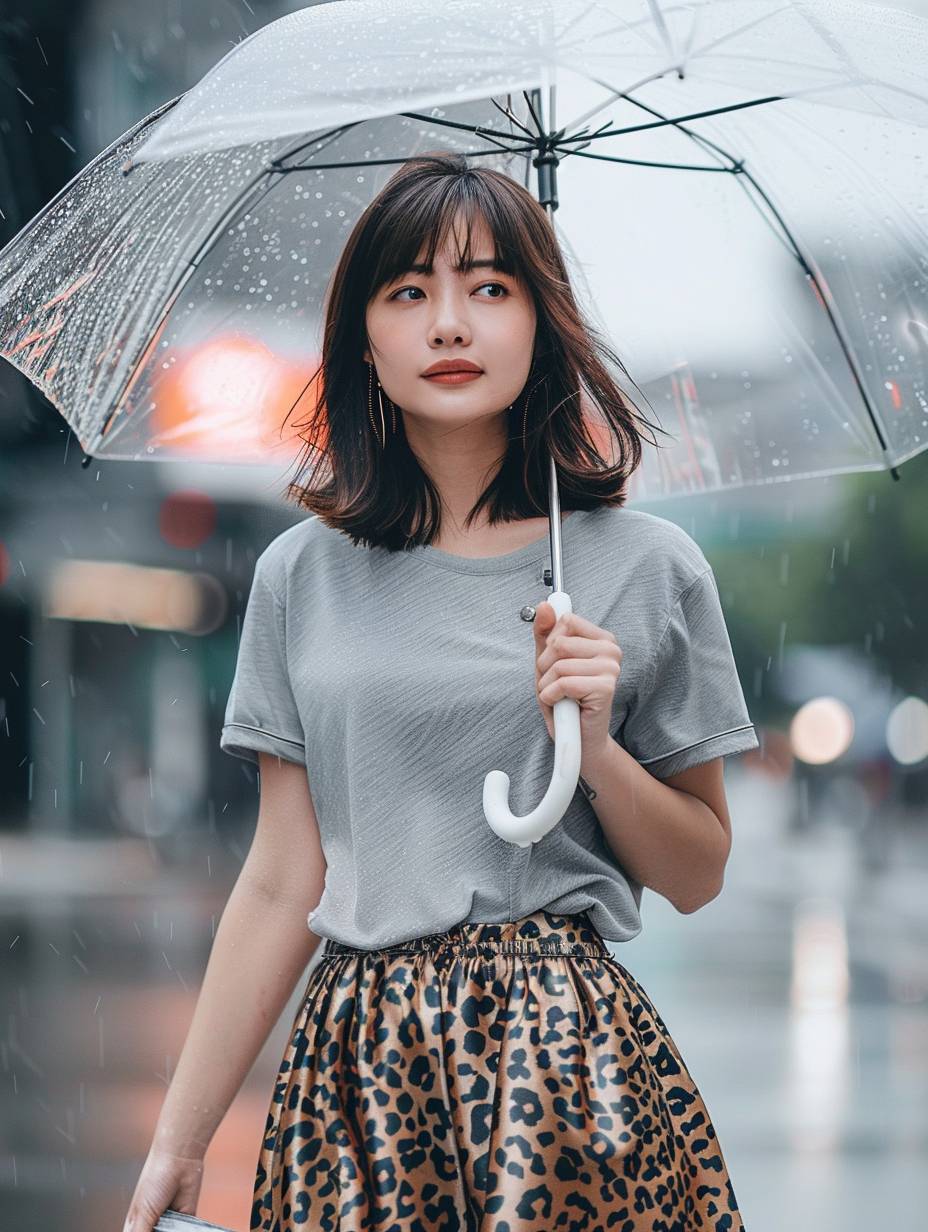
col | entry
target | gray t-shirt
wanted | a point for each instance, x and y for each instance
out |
(401, 678)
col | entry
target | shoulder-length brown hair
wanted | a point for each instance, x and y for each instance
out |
(377, 493)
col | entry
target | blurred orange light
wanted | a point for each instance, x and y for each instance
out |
(229, 398)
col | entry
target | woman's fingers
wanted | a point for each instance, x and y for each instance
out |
(576, 647)
(595, 666)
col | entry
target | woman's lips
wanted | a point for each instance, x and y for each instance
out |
(453, 378)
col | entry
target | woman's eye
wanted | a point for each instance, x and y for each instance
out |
(397, 294)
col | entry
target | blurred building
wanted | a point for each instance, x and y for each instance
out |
(74, 77)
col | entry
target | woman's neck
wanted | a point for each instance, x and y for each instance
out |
(493, 540)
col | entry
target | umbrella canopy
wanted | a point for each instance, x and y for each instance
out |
(740, 193)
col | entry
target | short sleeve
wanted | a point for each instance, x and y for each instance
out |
(261, 713)
(691, 707)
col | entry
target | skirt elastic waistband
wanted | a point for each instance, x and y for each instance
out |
(541, 932)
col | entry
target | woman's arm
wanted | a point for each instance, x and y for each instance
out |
(262, 946)
(672, 835)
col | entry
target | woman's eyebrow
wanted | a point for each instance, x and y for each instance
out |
(486, 264)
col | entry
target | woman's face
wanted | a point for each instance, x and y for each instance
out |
(483, 316)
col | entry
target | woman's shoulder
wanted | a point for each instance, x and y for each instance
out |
(277, 561)
(309, 555)
(657, 541)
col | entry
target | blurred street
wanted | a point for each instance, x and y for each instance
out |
(799, 999)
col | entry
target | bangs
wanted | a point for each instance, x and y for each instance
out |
(406, 241)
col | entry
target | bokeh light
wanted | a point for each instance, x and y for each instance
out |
(821, 730)
(187, 519)
(907, 731)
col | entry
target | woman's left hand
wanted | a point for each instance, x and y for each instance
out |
(575, 658)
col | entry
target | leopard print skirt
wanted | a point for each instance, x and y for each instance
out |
(509, 1077)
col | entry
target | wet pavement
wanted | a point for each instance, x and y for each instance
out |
(798, 998)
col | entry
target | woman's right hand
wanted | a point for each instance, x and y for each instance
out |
(166, 1181)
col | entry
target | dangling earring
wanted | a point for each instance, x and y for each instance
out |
(528, 398)
(392, 410)
(370, 408)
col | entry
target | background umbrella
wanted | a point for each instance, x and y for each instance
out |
(203, 240)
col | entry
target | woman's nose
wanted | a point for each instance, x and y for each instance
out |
(448, 330)
(449, 324)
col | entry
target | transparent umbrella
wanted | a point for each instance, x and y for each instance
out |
(740, 194)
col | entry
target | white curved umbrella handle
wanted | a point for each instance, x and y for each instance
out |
(553, 805)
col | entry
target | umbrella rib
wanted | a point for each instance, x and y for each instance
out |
(642, 162)
(477, 130)
(742, 29)
(791, 63)
(512, 117)
(575, 21)
(835, 47)
(830, 311)
(385, 162)
(690, 54)
(677, 120)
(688, 49)
(470, 128)
(699, 138)
(246, 192)
(126, 137)
(274, 164)
(531, 107)
(641, 27)
(738, 168)
(661, 25)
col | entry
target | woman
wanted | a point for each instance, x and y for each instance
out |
(467, 1053)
